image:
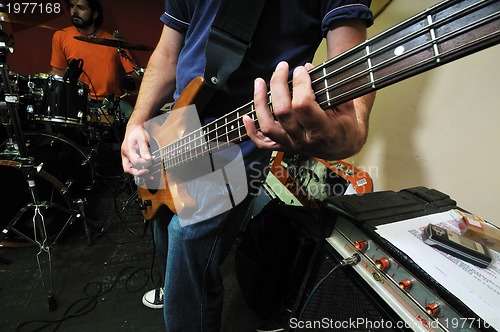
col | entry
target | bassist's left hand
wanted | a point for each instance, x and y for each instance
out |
(299, 124)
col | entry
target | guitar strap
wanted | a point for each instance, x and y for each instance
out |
(229, 38)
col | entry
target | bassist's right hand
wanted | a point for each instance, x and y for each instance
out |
(136, 156)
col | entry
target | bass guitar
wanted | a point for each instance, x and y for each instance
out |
(450, 30)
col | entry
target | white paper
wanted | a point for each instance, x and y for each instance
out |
(478, 288)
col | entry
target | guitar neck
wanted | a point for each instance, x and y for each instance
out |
(448, 31)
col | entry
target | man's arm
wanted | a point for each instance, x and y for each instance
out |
(302, 126)
(57, 57)
(157, 87)
(158, 83)
(57, 71)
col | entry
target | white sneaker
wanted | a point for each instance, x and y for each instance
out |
(154, 298)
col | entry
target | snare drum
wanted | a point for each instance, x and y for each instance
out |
(58, 101)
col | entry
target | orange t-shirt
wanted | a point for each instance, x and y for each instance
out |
(103, 67)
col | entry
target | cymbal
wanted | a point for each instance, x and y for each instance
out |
(114, 42)
(11, 18)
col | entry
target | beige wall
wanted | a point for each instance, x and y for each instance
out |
(438, 129)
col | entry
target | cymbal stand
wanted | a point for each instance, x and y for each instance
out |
(10, 106)
(138, 70)
(17, 149)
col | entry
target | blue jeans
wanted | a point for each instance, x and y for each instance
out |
(193, 288)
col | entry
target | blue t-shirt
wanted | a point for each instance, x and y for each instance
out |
(289, 30)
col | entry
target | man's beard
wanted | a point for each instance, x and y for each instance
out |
(81, 23)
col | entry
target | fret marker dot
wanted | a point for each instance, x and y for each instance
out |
(399, 50)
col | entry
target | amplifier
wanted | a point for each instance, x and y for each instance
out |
(359, 281)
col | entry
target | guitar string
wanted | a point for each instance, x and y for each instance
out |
(175, 164)
(329, 88)
(336, 85)
(361, 60)
(402, 40)
(204, 142)
(408, 53)
(333, 87)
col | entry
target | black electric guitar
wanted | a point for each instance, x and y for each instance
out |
(443, 33)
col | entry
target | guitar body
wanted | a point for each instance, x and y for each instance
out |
(158, 192)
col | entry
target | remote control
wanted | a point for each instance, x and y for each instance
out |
(457, 245)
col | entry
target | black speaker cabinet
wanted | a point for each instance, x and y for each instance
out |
(334, 299)
(358, 281)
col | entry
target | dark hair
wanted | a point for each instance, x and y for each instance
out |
(95, 6)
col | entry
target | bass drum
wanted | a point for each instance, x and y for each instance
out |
(64, 159)
(18, 197)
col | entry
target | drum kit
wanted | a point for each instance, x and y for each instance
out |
(52, 135)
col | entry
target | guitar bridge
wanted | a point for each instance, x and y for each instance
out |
(138, 180)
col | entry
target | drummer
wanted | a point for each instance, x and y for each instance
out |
(104, 70)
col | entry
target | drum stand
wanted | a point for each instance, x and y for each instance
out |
(138, 70)
(16, 147)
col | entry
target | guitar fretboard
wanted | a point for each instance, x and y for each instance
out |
(448, 31)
